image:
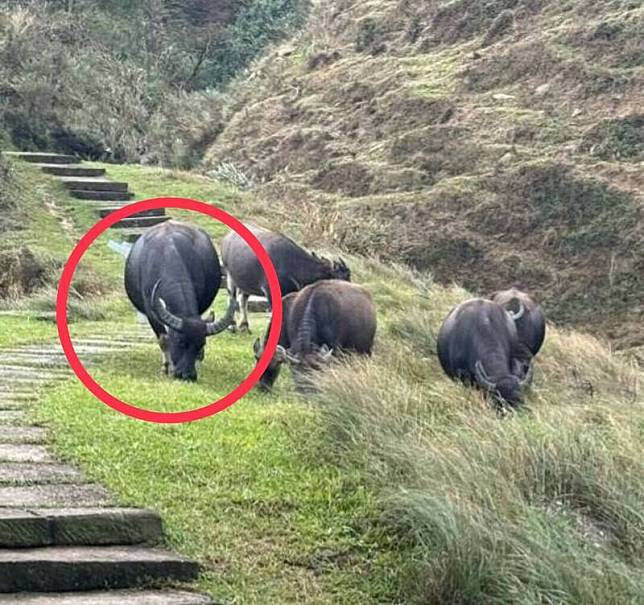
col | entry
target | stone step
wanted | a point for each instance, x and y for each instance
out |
(92, 184)
(12, 417)
(42, 158)
(113, 196)
(29, 473)
(21, 452)
(41, 315)
(71, 170)
(22, 434)
(78, 527)
(75, 568)
(140, 223)
(112, 597)
(106, 211)
(54, 495)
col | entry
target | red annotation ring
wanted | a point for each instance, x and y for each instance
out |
(134, 411)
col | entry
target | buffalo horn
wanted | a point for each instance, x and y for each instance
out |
(325, 353)
(215, 327)
(293, 358)
(482, 377)
(161, 310)
(518, 314)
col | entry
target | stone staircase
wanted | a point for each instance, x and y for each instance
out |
(63, 540)
(92, 186)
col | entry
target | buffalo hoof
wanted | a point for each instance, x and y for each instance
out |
(244, 329)
(232, 328)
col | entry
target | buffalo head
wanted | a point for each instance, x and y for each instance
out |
(310, 361)
(334, 269)
(185, 338)
(507, 388)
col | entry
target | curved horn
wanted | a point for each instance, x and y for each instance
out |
(518, 314)
(292, 358)
(482, 378)
(215, 327)
(161, 310)
(325, 353)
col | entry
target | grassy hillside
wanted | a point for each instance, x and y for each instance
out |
(393, 485)
(492, 143)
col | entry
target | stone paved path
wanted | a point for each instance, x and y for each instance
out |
(63, 540)
(91, 185)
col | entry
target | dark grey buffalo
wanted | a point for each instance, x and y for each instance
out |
(322, 319)
(172, 275)
(478, 343)
(295, 267)
(528, 317)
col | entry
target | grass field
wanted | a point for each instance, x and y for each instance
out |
(393, 485)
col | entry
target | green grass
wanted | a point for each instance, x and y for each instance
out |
(243, 492)
(393, 485)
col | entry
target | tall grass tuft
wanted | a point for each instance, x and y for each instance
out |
(541, 506)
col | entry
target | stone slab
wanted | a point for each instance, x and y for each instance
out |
(66, 568)
(13, 417)
(42, 157)
(31, 473)
(140, 222)
(22, 434)
(54, 496)
(92, 184)
(112, 597)
(23, 529)
(78, 527)
(18, 452)
(71, 170)
(112, 196)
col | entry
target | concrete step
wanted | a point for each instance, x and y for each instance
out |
(26, 474)
(92, 184)
(22, 434)
(112, 597)
(140, 223)
(109, 209)
(42, 158)
(24, 452)
(54, 495)
(75, 568)
(78, 527)
(71, 170)
(113, 196)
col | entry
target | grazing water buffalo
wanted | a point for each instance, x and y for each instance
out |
(323, 318)
(528, 317)
(295, 267)
(478, 343)
(172, 275)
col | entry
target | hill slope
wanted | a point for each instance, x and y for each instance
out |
(493, 143)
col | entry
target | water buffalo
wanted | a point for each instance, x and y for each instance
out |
(324, 318)
(478, 343)
(528, 317)
(172, 276)
(295, 267)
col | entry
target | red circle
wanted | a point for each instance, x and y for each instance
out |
(126, 408)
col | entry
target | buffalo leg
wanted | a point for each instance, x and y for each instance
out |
(233, 293)
(243, 325)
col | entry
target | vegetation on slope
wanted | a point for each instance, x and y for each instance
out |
(393, 485)
(492, 143)
(126, 79)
